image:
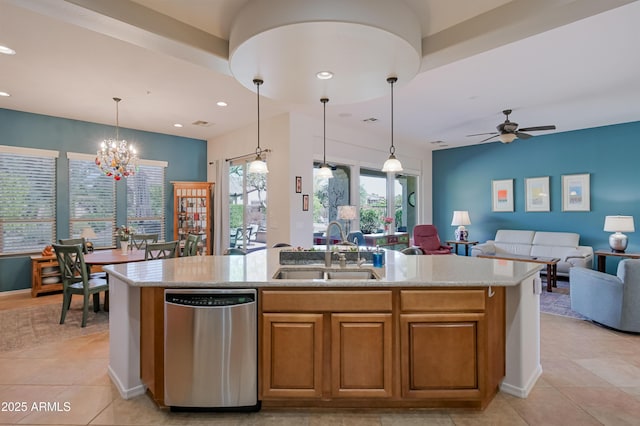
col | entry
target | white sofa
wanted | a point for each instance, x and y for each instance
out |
(563, 245)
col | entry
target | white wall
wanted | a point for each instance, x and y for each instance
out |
(296, 141)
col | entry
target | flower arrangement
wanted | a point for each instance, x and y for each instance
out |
(387, 221)
(124, 232)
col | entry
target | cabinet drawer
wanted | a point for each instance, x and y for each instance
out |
(442, 300)
(326, 301)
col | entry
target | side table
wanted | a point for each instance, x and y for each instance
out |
(466, 245)
(601, 257)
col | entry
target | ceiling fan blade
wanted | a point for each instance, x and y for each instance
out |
(490, 137)
(521, 135)
(482, 134)
(533, 129)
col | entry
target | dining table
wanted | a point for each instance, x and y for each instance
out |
(112, 257)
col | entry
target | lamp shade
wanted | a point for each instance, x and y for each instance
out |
(460, 218)
(88, 232)
(618, 224)
(347, 212)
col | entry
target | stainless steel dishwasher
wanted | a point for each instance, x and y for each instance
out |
(210, 349)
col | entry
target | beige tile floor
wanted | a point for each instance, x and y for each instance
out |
(591, 377)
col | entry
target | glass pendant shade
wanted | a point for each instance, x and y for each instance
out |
(324, 172)
(115, 157)
(392, 164)
(258, 165)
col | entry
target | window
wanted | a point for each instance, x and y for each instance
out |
(373, 200)
(92, 200)
(27, 199)
(247, 206)
(145, 198)
(328, 194)
(374, 193)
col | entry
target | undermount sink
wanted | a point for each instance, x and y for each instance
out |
(322, 273)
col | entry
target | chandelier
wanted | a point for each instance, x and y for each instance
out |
(116, 158)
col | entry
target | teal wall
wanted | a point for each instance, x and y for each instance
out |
(462, 181)
(187, 160)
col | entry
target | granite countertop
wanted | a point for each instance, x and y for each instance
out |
(258, 268)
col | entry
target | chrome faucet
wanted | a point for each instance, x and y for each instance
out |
(327, 254)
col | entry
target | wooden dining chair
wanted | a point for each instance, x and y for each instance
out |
(76, 280)
(191, 245)
(161, 250)
(139, 241)
(73, 241)
(83, 242)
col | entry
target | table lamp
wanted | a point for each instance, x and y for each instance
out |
(618, 224)
(88, 233)
(347, 213)
(460, 219)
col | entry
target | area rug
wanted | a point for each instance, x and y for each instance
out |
(27, 327)
(558, 302)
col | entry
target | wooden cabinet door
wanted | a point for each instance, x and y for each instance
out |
(361, 355)
(440, 355)
(292, 355)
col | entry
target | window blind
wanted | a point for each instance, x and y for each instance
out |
(146, 199)
(92, 200)
(27, 199)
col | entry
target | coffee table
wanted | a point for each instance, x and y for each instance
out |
(551, 262)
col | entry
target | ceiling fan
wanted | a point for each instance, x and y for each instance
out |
(508, 131)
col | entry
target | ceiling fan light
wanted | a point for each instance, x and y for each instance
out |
(324, 172)
(392, 165)
(507, 137)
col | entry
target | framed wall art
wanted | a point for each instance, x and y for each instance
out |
(576, 193)
(298, 184)
(305, 202)
(537, 194)
(502, 195)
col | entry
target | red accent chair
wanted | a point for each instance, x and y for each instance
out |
(426, 237)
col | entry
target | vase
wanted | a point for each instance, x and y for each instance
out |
(124, 247)
(386, 230)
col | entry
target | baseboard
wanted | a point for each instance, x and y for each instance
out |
(125, 393)
(14, 292)
(522, 392)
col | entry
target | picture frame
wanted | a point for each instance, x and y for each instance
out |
(502, 195)
(298, 184)
(537, 195)
(305, 202)
(576, 193)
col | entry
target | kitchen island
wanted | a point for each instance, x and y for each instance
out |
(429, 331)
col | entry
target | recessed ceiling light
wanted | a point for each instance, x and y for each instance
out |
(221, 103)
(7, 50)
(177, 125)
(4, 94)
(324, 75)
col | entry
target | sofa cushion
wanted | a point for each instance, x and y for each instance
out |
(514, 242)
(566, 239)
(515, 237)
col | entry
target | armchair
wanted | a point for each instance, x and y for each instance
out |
(611, 300)
(426, 237)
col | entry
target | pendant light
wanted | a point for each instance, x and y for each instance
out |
(115, 157)
(325, 171)
(392, 165)
(258, 165)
